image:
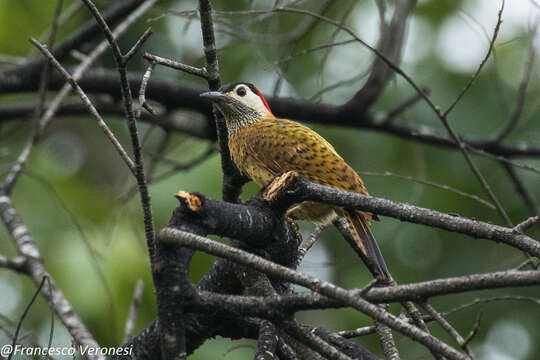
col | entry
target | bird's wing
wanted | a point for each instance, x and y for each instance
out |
(283, 145)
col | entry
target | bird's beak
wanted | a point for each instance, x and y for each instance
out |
(215, 96)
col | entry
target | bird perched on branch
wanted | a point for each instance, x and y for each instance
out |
(264, 147)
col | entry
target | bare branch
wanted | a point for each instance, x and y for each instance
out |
(17, 264)
(492, 299)
(526, 224)
(26, 247)
(521, 188)
(313, 341)
(308, 191)
(387, 340)
(133, 311)
(200, 72)
(306, 245)
(522, 89)
(232, 180)
(387, 61)
(70, 79)
(87, 31)
(138, 169)
(482, 63)
(147, 33)
(390, 44)
(474, 330)
(447, 327)
(18, 167)
(430, 183)
(142, 91)
(267, 341)
(23, 316)
(193, 241)
(174, 95)
(392, 114)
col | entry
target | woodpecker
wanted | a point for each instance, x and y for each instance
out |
(263, 147)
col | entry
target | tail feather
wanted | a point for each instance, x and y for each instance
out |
(365, 243)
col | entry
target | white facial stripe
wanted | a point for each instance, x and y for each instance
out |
(250, 99)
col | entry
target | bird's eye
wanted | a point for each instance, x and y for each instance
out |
(241, 91)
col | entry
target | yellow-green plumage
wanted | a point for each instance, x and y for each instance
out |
(272, 146)
(264, 147)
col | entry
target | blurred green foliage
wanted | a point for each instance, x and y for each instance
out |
(72, 197)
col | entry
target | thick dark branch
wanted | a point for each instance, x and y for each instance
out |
(232, 179)
(252, 224)
(167, 121)
(274, 306)
(267, 341)
(439, 287)
(295, 189)
(176, 95)
(181, 238)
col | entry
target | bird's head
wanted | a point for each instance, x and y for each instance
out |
(240, 103)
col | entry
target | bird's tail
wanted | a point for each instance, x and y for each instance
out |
(365, 244)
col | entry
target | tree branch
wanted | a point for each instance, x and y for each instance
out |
(173, 236)
(26, 247)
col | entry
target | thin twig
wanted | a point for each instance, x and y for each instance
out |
(474, 330)
(417, 319)
(425, 96)
(430, 183)
(361, 331)
(306, 245)
(142, 90)
(522, 89)
(138, 170)
(137, 45)
(521, 188)
(69, 78)
(133, 311)
(200, 72)
(534, 262)
(313, 49)
(492, 299)
(18, 264)
(482, 63)
(26, 247)
(392, 114)
(502, 159)
(20, 164)
(447, 327)
(51, 330)
(23, 316)
(77, 74)
(312, 341)
(526, 224)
